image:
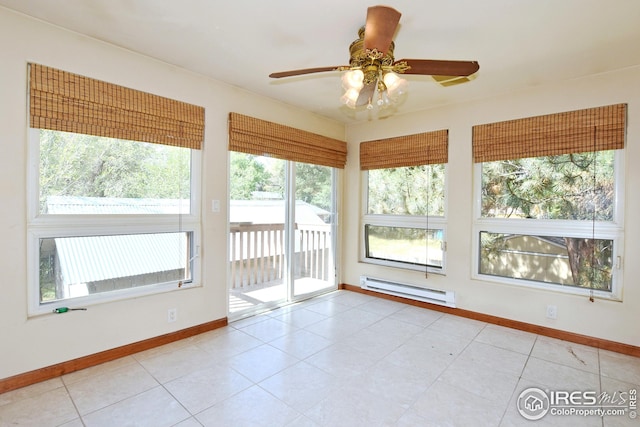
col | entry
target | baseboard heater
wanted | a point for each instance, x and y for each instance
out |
(405, 290)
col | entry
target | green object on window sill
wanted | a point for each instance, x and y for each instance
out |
(65, 309)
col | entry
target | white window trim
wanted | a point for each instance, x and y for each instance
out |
(50, 226)
(612, 230)
(408, 221)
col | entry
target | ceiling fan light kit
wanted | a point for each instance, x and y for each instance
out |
(375, 70)
(372, 76)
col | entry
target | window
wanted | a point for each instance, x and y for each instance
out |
(404, 223)
(110, 217)
(549, 191)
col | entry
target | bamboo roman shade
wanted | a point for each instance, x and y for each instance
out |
(63, 101)
(409, 150)
(260, 137)
(593, 129)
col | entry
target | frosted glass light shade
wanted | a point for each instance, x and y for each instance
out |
(350, 97)
(353, 79)
(395, 85)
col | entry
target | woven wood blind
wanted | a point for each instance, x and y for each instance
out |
(409, 150)
(260, 137)
(593, 129)
(63, 101)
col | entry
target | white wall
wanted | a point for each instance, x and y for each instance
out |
(616, 321)
(31, 343)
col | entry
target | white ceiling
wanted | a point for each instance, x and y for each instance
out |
(518, 43)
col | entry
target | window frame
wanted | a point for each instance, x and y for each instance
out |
(405, 221)
(41, 226)
(611, 230)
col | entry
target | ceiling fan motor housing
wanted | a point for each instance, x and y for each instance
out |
(370, 61)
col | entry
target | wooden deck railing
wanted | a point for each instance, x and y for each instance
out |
(257, 253)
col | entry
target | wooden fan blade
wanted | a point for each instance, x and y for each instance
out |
(433, 67)
(303, 71)
(380, 28)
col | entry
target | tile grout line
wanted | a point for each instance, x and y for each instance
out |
(524, 366)
(73, 402)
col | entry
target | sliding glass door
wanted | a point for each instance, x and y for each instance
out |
(281, 232)
(313, 257)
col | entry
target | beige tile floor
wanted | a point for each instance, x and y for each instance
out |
(343, 359)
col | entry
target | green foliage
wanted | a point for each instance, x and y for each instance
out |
(414, 190)
(590, 261)
(247, 176)
(570, 186)
(47, 278)
(251, 173)
(274, 181)
(313, 185)
(405, 244)
(92, 166)
(565, 187)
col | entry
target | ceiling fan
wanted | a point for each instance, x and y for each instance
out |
(372, 73)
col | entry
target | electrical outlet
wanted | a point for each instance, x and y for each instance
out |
(172, 315)
(552, 312)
